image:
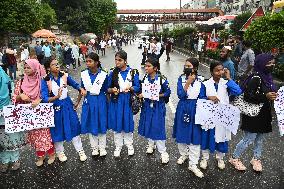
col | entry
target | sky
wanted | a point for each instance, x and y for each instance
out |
(148, 4)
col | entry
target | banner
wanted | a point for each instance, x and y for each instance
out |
(279, 109)
(151, 91)
(23, 117)
(210, 115)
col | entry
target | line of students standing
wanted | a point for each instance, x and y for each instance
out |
(106, 105)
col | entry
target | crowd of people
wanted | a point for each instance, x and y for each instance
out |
(109, 100)
(151, 18)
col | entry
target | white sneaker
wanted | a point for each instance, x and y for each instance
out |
(196, 171)
(103, 152)
(165, 157)
(82, 155)
(221, 164)
(117, 152)
(150, 149)
(61, 156)
(130, 150)
(203, 164)
(95, 152)
(181, 159)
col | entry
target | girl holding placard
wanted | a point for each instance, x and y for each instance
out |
(218, 90)
(122, 81)
(155, 89)
(28, 91)
(94, 111)
(188, 134)
(10, 143)
(67, 126)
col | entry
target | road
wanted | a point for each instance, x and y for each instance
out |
(141, 170)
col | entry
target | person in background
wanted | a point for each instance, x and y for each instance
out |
(246, 64)
(38, 50)
(12, 63)
(226, 60)
(169, 47)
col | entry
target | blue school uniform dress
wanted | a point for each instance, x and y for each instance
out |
(185, 130)
(94, 109)
(66, 120)
(208, 137)
(120, 115)
(153, 113)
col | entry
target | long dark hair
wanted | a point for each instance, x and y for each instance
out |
(46, 63)
(114, 82)
(95, 57)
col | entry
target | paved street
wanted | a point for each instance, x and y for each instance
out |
(141, 170)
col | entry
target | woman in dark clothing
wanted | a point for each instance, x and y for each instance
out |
(259, 88)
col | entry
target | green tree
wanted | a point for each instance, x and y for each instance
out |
(48, 15)
(79, 16)
(25, 16)
(239, 21)
(129, 29)
(22, 16)
(267, 32)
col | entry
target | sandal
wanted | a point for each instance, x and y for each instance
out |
(40, 160)
(237, 164)
(256, 165)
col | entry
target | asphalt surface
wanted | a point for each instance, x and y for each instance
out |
(146, 171)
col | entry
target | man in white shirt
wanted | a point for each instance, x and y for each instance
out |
(75, 54)
(103, 47)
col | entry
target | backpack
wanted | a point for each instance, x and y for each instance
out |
(166, 99)
(135, 101)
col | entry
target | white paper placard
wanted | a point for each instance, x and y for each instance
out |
(279, 109)
(210, 115)
(23, 117)
(151, 91)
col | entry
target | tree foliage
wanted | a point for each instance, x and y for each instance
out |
(25, 16)
(129, 29)
(267, 32)
(80, 16)
(239, 21)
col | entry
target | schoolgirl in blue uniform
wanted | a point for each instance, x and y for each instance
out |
(218, 90)
(94, 110)
(188, 134)
(67, 126)
(153, 112)
(122, 81)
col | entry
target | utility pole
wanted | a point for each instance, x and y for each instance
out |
(179, 11)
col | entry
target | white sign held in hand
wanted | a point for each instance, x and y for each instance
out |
(23, 117)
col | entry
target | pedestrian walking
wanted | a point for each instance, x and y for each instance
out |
(67, 126)
(218, 90)
(152, 118)
(10, 143)
(27, 90)
(103, 47)
(186, 133)
(94, 111)
(123, 80)
(258, 88)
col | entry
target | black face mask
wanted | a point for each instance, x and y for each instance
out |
(269, 69)
(187, 71)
